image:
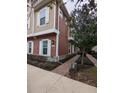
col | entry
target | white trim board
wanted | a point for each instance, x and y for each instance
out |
(53, 30)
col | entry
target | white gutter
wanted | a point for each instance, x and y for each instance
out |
(57, 43)
(33, 20)
(57, 38)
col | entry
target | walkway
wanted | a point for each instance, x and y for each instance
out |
(64, 68)
(92, 59)
(42, 81)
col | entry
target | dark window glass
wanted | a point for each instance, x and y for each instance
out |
(44, 43)
(45, 46)
(29, 50)
(44, 50)
(42, 21)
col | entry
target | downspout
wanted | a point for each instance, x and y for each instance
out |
(33, 20)
(57, 44)
(57, 38)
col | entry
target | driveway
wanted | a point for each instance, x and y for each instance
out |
(42, 81)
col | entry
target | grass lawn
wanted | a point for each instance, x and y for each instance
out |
(92, 71)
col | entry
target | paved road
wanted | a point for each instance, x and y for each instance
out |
(42, 81)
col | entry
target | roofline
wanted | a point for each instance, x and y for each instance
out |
(41, 4)
(63, 8)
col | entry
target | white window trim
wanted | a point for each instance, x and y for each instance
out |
(49, 47)
(32, 48)
(53, 30)
(29, 22)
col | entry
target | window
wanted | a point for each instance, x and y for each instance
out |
(42, 16)
(45, 47)
(30, 47)
(60, 12)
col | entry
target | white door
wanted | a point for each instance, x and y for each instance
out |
(45, 47)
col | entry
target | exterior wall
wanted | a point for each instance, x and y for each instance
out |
(57, 22)
(29, 12)
(37, 40)
(47, 26)
(31, 26)
(63, 37)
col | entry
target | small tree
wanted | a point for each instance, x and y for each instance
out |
(83, 25)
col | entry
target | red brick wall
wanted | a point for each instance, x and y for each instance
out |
(36, 41)
(56, 15)
(63, 37)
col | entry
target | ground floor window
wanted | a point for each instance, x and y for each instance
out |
(45, 47)
(30, 47)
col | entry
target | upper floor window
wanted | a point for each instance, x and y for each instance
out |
(60, 12)
(43, 16)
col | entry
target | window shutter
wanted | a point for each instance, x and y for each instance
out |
(49, 47)
(38, 18)
(32, 50)
(40, 48)
(47, 15)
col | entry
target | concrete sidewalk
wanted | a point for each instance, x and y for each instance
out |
(42, 81)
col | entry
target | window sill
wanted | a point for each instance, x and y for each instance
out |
(43, 25)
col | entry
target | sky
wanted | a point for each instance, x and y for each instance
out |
(69, 5)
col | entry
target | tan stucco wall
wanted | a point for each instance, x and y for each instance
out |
(47, 26)
(29, 31)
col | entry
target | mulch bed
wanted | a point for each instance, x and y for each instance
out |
(86, 74)
(44, 65)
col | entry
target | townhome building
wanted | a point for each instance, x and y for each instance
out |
(48, 32)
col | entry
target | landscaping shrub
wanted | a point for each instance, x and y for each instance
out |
(41, 62)
(49, 65)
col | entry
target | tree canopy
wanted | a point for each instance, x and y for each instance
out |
(84, 26)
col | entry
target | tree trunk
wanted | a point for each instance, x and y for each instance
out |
(82, 56)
